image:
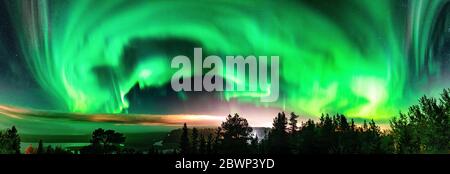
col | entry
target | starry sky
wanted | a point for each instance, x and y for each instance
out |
(362, 58)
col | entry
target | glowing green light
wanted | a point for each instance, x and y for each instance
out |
(356, 63)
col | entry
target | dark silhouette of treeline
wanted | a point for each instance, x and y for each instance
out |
(331, 135)
(46, 150)
(423, 129)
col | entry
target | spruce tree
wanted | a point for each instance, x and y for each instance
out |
(202, 146)
(184, 141)
(293, 123)
(278, 136)
(195, 141)
(209, 144)
(40, 149)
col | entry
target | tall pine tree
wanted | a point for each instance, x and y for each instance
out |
(184, 141)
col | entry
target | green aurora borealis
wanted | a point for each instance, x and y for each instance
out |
(362, 58)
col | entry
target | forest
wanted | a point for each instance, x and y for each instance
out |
(423, 129)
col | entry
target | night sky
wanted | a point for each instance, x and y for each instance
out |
(362, 58)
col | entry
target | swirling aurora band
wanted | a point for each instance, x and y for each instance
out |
(362, 58)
